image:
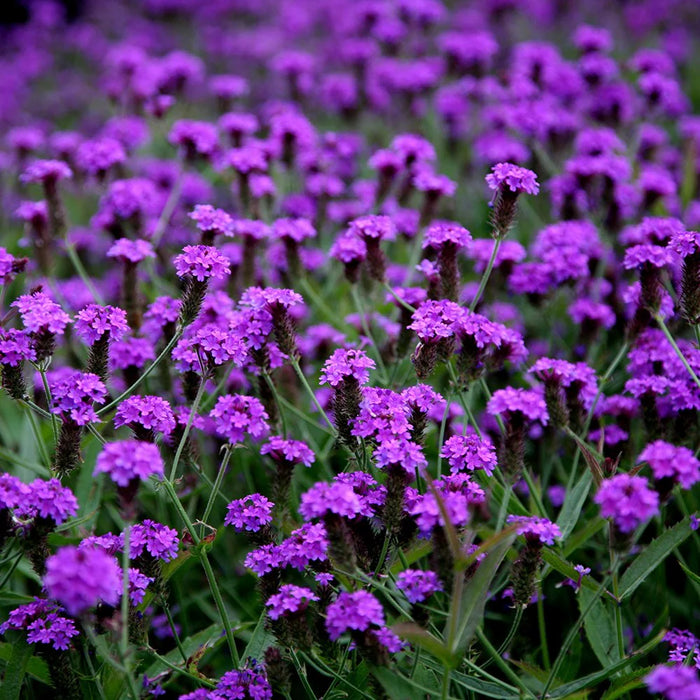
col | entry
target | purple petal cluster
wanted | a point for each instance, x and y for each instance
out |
(149, 412)
(74, 395)
(39, 312)
(535, 528)
(469, 452)
(670, 462)
(237, 416)
(251, 513)
(289, 600)
(129, 460)
(512, 177)
(344, 364)
(356, 611)
(418, 585)
(202, 262)
(290, 451)
(628, 500)
(93, 321)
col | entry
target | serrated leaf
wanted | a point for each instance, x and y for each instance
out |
(651, 556)
(573, 505)
(417, 635)
(476, 591)
(16, 669)
(600, 628)
(260, 640)
(36, 667)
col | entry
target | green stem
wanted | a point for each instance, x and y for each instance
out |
(124, 638)
(188, 427)
(82, 273)
(368, 332)
(295, 364)
(49, 403)
(217, 483)
(486, 275)
(445, 694)
(543, 631)
(676, 349)
(216, 592)
(273, 389)
(502, 664)
(130, 390)
(573, 632)
(511, 632)
(167, 211)
(173, 629)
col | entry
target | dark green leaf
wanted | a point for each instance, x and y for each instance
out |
(575, 500)
(600, 628)
(16, 669)
(651, 556)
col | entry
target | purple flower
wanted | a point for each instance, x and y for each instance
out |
(670, 462)
(337, 498)
(211, 220)
(685, 243)
(131, 352)
(289, 599)
(160, 541)
(628, 500)
(441, 234)
(469, 452)
(130, 251)
(401, 452)
(39, 312)
(100, 155)
(236, 416)
(93, 321)
(10, 266)
(435, 319)
(428, 514)
(384, 415)
(202, 262)
(196, 139)
(535, 528)
(353, 611)
(44, 624)
(417, 585)
(527, 402)
(80, 578)
(675, 682)
(344, 364)
(248, 683)
(129, 460)
(682, 643)
(74, 394)
(377, 227)
(289, 451)
(46, 171)
(150, 412)
(512, 177)
(138, 583)
(250, 513)
(45, 499)
(15, 347)
(295, 230)
(646, 254)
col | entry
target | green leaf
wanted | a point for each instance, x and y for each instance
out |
(206, 639)
(600, 628)
(260, 640)
(573, 505)
(36, 667)
(417, 635)
(651, 556)
(623, 685)
(691, 575)
(16, 669)
(398, 687)
(593, 679)
(476, 591)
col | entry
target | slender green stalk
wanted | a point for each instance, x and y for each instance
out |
(511, 632)
(37, 435)
(173, 629)
(217, 483)
(543, 630)
(445, 693)
(676, 349)
(443, 424)
(275, 394)
(295, 364)
(368, 332)
(124, 638)
(130, 390)
(188, 427)
(573, 632)
(219, 601)
(167, 211)
(502, 664)
(487, 274)
(82, 273)
(49, 403)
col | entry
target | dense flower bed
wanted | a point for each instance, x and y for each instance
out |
(350, 350)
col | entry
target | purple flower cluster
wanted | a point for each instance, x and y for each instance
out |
(150, 412)
(289, 600)
(535, 528)
(250, 513)
(418, 585)
(74, 395)
(469, 452)
(129, 460)
(237, 416)
(94, 321)
(202, 262)
(346, 363)
(43, 623)
(289, 451)
(670, 462)
(628, 500)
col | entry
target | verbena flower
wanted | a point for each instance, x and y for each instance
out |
(290, 599)
(535, 528)
(628, 500)
(129, 460)
(250, 513)
(80, 578)
(45, 499)
(201, 262)
(670, 462)
(237, 416)
(290, 451)
(40, 313)
(74, 395)
(356, 611)
(131, 251)
(344, 364)
(469, 452)
(674, 682)
(159, 541)
(418, 585)
(44, 624)
(94, 321)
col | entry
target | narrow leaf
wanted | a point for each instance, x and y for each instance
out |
(417, 635)
(16, 669)
(652, 555)
(600, 628)
(573, 505)
(691, 575)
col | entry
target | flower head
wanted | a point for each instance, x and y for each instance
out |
(353, 611)
(129, 251)
(74, 394)
(39, 312)
(526, 402)
(469, 452)
(128, 460)
(236, 416)
(47, 499)
(344, 364)
(202, 262)
(159, 541)
(628, 500)
(81, 578)
(250, 513)
(289, 451)
(93, 321)
(289, 599)
(513, 178)
(417, 585)
(209, 219)
(670, 462)
(535, 528)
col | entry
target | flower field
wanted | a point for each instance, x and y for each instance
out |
(350, 349)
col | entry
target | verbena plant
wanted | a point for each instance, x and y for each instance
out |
(350, 350)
